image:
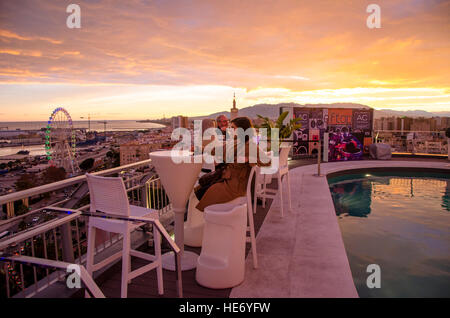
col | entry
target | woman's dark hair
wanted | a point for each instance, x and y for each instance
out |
(244, 123)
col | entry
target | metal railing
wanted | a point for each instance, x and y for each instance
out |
(9, 199)
(414, 142)
(89, 283)
(65, 239)
(14, 261)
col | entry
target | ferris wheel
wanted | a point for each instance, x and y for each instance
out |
(60, 141)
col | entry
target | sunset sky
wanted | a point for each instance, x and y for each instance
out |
(140, 59)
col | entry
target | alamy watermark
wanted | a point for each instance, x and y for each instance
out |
(374, 19)
(74, 19)
(73, 279)
(374, 279)
(208, 146)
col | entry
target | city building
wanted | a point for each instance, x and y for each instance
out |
(234, 112)
(180, 122)
(135, 151)
(442, 123)
(404, 124)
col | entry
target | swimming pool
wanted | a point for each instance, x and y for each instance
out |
(399, 221)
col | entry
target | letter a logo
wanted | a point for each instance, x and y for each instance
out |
(74, 20)
(73, 280)
(374, 279)
(373, 20)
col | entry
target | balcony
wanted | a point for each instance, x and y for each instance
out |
(34, 260)
(38, 246)
(55, 229)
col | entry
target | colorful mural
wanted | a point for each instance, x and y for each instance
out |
(350, 131)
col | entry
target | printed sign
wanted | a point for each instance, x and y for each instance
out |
(302, 113)
(300, 137)
(361, 120)
(344, 146)
(317, 120)
(350, 131)
(338, 116)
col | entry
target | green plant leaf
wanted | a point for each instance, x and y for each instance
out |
(285, 131)
(264, 118)
(281, 119)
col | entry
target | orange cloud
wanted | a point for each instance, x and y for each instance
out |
(12, 35)
(11, 52)
(286, 49)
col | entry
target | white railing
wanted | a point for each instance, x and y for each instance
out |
(27, 275)
(64, 239)
(25, 194)
(89, 283)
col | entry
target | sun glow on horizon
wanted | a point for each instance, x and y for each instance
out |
(154, 101)
(149, 60)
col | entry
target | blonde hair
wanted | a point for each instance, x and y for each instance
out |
(208, 123)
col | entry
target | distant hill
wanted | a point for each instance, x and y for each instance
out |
(272, 110)
(409, 113)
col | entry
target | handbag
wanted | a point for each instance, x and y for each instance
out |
(207, 180)
(211, 177)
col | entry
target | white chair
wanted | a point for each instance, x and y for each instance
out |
(261, 190)
(265, 178)
(193, 227)
(221, 263)
(251, 203)
(108, 195)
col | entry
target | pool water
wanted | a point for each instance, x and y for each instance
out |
(400, 222)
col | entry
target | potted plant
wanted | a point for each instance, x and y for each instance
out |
(285, 130)
(447, 134)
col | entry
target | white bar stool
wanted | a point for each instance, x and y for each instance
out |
(221, 263)
(108, 195)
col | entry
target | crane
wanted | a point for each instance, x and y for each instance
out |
(104, 122)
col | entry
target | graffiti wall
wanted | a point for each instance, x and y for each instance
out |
(350, 132)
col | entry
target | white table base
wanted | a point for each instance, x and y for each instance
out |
(178, 178)
(188, 261)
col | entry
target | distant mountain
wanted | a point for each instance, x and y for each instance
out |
(272, 110)
(409, 113)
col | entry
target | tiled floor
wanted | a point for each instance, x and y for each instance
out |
(289, 262)
(302, 254)
(146, 285)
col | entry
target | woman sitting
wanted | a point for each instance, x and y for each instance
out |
(236, 173)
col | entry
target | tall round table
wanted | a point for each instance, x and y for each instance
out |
(178, 171)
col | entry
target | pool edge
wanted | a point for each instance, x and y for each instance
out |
(317, 263)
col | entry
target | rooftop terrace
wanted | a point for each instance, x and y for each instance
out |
(300, 255)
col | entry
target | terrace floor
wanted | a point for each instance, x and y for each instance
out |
(300, 255)
(303, 254)
(145, 286)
